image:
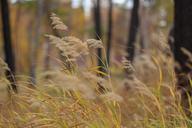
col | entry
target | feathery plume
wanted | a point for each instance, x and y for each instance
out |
(128, 66)
(70, 46)
(93, 43)
(57, 23)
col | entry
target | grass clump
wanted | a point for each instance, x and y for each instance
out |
(69, 96)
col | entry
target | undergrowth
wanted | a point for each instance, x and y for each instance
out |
(70, 97)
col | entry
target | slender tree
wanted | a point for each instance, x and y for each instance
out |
(110, 29)
(36, 39)
(134, 24)
(47, 9)
(97, 20)
(183, 46)
(144, 24)
(16, 36)
(9, 56)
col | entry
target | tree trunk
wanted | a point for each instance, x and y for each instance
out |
(36, 39)
(47, 8)
(16, 39)
(110, 26)
(97, 20)
(183, 40)
(9, 56)
(134, 24)
(144, 25)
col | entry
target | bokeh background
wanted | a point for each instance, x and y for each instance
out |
(30, 22)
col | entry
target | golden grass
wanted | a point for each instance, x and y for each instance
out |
(144, 97)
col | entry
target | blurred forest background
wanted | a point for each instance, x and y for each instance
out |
(30, 22)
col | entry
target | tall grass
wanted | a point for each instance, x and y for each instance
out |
(69, 97)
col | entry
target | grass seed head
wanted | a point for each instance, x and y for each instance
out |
(57, 23)
(93, 43)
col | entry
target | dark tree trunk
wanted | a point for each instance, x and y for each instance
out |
(183, 32)
(9, 56)
(183, 39)
(97, 20)
(110, 26)
(134, 24)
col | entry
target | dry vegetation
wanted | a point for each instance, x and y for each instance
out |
(145, 97)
